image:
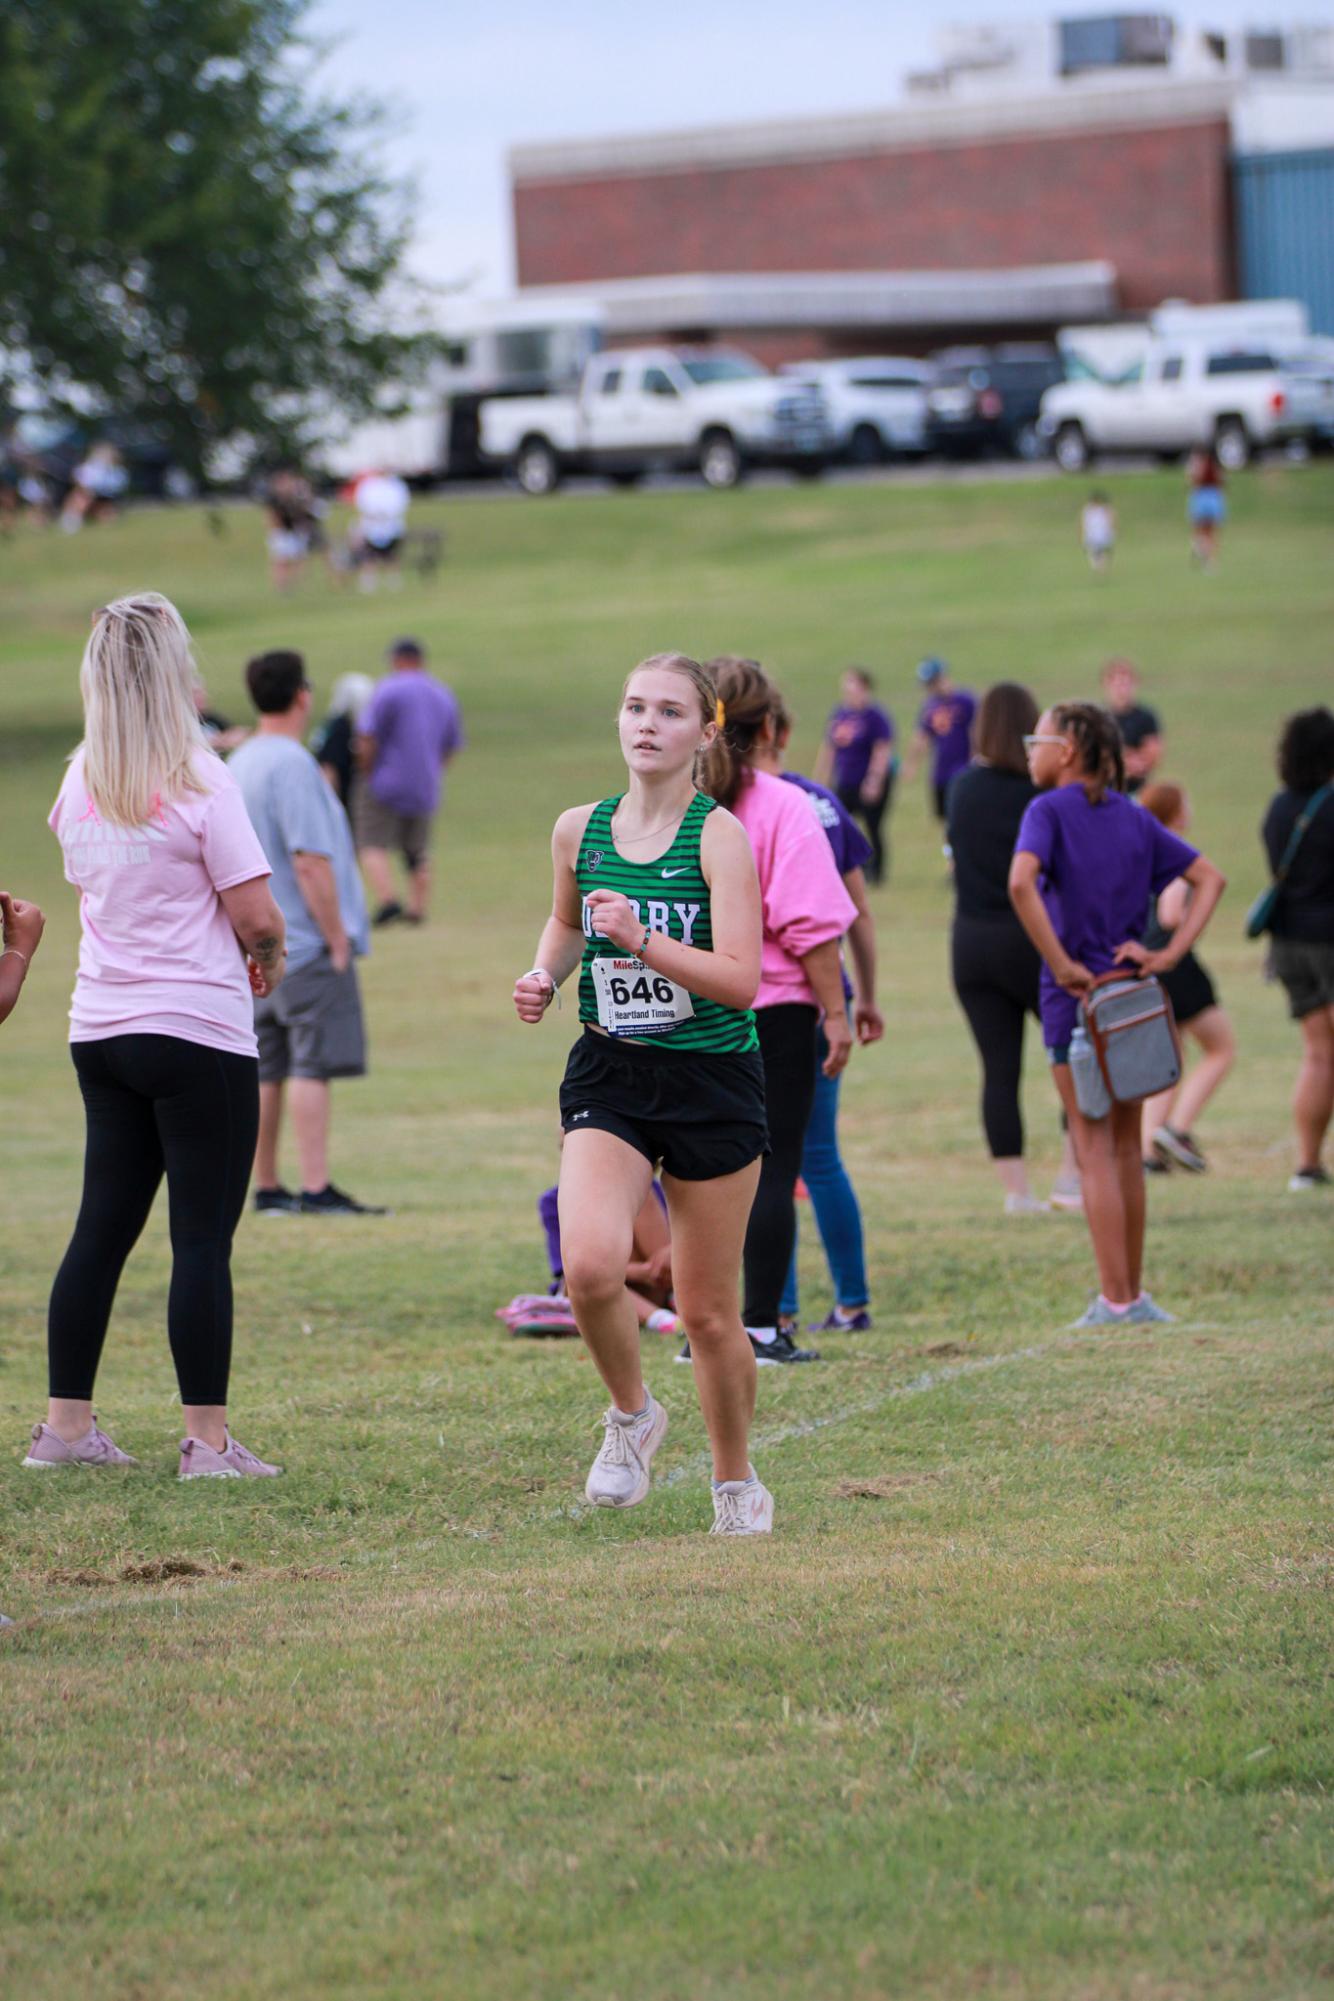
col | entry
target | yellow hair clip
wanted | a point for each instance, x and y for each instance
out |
(719, 712)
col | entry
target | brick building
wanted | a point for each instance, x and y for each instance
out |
(1003, 214)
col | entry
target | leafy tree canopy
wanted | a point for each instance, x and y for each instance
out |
(188, 231)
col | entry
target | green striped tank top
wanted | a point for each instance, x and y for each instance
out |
(669, 895)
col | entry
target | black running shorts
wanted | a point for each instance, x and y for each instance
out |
(700, 1115)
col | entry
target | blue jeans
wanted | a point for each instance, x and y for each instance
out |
(837, 1215)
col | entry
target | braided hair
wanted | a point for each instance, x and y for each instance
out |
(1097, 739)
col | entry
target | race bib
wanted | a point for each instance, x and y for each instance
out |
(633, 1001)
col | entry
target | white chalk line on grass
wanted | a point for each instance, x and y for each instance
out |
(806, 1427)
(769, 1441)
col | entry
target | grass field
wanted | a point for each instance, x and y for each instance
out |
(1028, 1696)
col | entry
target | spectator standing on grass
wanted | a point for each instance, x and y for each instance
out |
(944, 727)
(856, 761)
(23, 925)
(1141, 732)
(1169, 1118)
(838, 1214)
(1206, 506)
(333, 745)
(1085, 865)
(289, 506)
(312, 1030)
(1302, 927)
(179, 926)
(381, 501)
(806, 912)
(994, 964)
(406, 735)
(1097, 531)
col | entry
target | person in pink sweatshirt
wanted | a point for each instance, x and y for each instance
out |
(806, 912)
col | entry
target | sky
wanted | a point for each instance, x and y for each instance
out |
(465, 82)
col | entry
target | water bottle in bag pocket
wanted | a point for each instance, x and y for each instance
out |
(1091, 1094)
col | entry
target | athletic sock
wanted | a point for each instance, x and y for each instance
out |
(635, 1415)
(843, 1316)
(764, 1335)
(752, 1479)
(1112, 1306)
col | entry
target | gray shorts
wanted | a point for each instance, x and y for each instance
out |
(1306, 970)
(312, 1026)
(379, 826)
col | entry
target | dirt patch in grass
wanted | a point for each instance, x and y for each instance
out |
(883, 1487)
(175, 1569)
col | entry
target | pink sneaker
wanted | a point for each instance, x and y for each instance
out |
(235, 1462)
(48, 1449)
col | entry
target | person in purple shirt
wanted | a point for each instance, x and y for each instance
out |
(944, 727)
(405, 738)
(857, 763)
(837, 1212)
(1087, 863)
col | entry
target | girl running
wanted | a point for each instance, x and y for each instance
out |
(806, 912)
(1086, 863)
(1169, 1119)
(657, 902)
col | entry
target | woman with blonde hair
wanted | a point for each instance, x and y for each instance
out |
(179, 929)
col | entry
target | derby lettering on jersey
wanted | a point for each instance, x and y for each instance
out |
(658, 917)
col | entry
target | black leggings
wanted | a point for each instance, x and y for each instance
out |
(787, 1048)
(850, 798)
(155, 1103)
(996, 971)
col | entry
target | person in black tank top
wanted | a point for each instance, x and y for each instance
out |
(656, 901)
(993, 962)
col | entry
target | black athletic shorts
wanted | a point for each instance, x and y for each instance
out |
(1189, 988)
(700, 1115)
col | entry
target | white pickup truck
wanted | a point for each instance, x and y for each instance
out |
(1182, 395)
(643, 409)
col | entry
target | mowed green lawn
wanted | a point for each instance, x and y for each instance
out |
(1029, 1693)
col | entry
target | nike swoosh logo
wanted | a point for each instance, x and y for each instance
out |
(676, 871)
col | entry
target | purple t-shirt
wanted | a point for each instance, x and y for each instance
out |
(850, 845)
(416, 725)
(948, 721)
(1100, 867)
(852, 734)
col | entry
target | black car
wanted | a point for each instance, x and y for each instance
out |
(986, 399)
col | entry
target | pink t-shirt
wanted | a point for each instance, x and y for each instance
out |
(158, 955)
(805, 903)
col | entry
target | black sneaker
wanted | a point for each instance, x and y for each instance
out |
(768, 1354)
(1308, 1177)
(1152, 1164)
(388, 913)
(684, 1355)
(278, 1201)
(333, 1201)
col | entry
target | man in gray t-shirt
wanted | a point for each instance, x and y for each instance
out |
(310, 1029)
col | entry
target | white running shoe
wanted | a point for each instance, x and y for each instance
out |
(619, 1476)
(1026, 1205)
(742, 1507)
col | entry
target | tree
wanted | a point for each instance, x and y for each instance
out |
(189, 233)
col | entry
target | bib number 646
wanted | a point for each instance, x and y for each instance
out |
(623, 992)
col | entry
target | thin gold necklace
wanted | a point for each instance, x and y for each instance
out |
(632, 839)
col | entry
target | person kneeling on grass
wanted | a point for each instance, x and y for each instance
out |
(648, 1276)
(1086, 864)
(656, 900)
